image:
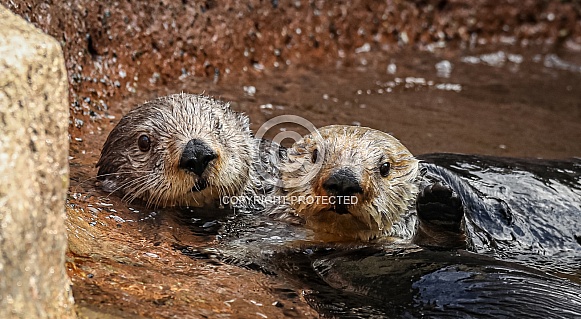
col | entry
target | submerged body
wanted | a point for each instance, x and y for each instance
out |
(405, 282)
(525, 210)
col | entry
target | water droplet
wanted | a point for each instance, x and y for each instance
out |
(364, 48)
(443, 69)
(250, 90)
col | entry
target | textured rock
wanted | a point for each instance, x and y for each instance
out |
(33, 173)
(114, 49)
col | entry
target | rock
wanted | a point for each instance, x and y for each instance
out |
(33, 173)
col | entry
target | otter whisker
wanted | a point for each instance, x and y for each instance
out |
(81, 182)
(138, 188)
(132, 191)
(155, 196)
(154, 200)
(220, 190)
(225, 190)
(139, 191)
(123, 172)
(128, 184)
(194, 197)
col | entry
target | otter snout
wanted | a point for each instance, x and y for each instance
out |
(196, 157)
(342, 182)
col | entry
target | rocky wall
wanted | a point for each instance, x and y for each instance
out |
(114, 47)
(33, 173)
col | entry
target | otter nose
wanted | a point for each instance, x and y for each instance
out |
(342, 183)
(196, 156)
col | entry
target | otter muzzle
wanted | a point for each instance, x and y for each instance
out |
(342, 182)
(196, 157)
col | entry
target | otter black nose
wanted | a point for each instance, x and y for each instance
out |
(342, 183)
(196, 156)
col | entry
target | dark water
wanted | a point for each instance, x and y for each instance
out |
(131, 260)
(523, 210)
(376, 282)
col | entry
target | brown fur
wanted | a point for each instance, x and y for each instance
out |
(382, 210)
(429, 235)
(170, 122)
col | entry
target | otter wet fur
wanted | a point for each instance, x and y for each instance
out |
(179, 150)
(354, 182)
(525, 210)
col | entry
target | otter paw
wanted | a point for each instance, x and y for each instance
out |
(439, 205)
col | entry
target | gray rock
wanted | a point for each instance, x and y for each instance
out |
(33, 173)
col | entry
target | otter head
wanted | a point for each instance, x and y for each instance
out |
(178, 150)
(354, 182)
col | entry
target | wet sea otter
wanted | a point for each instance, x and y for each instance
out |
(518, 209)
(527, 262)
(179, 150)
(505, 210)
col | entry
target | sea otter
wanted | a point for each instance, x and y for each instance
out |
(520, 209)
(180, 150)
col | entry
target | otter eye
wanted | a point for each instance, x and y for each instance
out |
(384, 169)
(144, 143)
(315, 155)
